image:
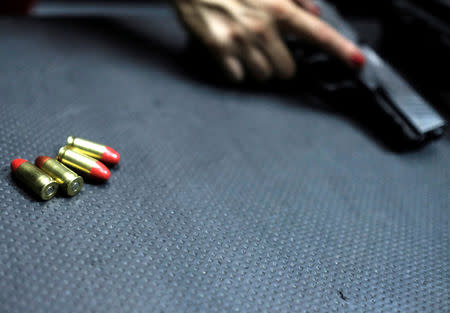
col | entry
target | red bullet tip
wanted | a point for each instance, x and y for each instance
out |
(16, 163)
(358, 59)
(100, 172)
(40, 160)
(111, 156)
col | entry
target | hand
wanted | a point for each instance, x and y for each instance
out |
(244, 35)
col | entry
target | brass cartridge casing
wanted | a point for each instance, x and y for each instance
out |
(38, 181)
(93, 168)
(98, 151)
(70, 182)
(86, 147)
(76, 160)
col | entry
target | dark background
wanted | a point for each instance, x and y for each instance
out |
(227, 198)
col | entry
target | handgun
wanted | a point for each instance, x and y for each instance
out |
(377, 84)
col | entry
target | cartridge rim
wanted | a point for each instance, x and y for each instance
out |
(49, 190)
(75, 186)
(70, 140)
(61, 153)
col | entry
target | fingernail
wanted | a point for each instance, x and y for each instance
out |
(358, 59)
(316, 11)
(235, 68)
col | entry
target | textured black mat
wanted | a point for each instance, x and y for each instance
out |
(225, 200)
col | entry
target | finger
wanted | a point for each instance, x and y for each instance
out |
(256, 62)
(310, 6)
(233, 67)
(313, 29)
(279, 56)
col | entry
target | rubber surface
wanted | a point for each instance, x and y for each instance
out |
(225, 200)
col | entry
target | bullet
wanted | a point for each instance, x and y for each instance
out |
(35, 179)
(94, 150)
(70, 182)
(93, 168)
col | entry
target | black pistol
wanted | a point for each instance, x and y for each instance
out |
(400, 108)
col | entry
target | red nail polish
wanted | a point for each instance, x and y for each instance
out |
(316, 10)
(358, 59)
